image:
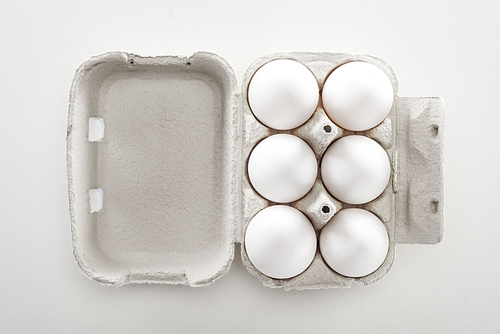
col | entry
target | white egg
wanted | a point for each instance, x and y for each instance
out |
(354, 243)
(355, 169)
(357, 96)
(283, 94)
(280, 241)
(282, 168)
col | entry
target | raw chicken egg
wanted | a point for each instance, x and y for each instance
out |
(357, 96)
(355, 169)
(354, 242)
(282, 168)
(283, 94)
(280, 241)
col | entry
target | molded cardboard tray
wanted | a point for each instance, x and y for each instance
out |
(171, 169)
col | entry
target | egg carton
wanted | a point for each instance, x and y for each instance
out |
(156, 158)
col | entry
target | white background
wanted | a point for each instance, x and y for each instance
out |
(445, 48)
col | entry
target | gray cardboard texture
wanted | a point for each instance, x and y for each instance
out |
(164, 164)
(172, 168)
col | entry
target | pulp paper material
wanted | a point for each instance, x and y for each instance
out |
(172, 166)
(420, 203)
(167, 166)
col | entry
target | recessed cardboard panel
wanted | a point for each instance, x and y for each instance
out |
(164, 164)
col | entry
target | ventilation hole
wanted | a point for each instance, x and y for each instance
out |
(325, 209)
(188, 64)
(435, 130)
(434, 206)
(96, 128)
(95, 199)
(327, 128)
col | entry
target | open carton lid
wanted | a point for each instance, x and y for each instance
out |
(160, 194)
(167, 165)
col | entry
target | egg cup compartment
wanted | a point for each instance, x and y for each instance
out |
(171, 169)
(319, 132)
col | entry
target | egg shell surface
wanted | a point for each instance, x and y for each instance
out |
(283, 94)
(280, 242)
(282, 168)
(355, 169)
(354, 242)
(357, 96)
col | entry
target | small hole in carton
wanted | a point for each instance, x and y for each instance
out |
(434, 206)
(188, 63)
(435, 130)
(327, 128)
(96, 128)
(325, 209)
(95, 196)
